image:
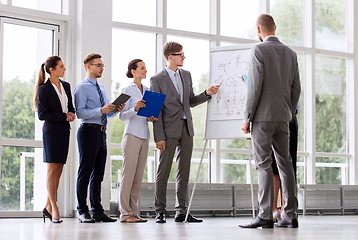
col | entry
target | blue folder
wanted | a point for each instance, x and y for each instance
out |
(153, 104)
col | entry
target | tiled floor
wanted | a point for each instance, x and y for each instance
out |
(311, 228)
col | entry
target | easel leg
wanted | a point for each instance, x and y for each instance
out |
(196, 181)
(250, 174)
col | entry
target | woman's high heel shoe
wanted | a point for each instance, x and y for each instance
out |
(45, 214)
(57, 220)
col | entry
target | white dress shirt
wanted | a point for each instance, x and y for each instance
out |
(135, 125)
(62, 96)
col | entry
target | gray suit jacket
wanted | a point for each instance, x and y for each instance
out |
(273, 86)
(170, 121)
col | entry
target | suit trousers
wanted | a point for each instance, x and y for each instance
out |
(92, 149)
(268, 136)
(135, 154)
(184, 146)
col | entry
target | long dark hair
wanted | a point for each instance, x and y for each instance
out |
(132, 65)
(51, 62)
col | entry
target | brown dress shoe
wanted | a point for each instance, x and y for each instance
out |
(130, 219)
(140, 219)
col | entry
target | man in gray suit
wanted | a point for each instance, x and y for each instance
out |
(273, 90)
(174, 129)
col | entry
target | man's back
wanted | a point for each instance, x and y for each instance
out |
(273, 85)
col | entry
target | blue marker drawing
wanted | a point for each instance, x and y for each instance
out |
(245, 79)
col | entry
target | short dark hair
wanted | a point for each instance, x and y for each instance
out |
(90, 57)
(170, 48)
(133, 65)
(266, 23)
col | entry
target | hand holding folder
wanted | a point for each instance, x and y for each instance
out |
(153, 104)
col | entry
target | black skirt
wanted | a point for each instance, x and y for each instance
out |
(55, 147)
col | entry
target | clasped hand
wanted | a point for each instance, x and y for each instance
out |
(70, 116)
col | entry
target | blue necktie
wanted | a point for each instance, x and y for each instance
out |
(101, 99)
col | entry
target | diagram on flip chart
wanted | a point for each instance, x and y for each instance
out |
(228, 68)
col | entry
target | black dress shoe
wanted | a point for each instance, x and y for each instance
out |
(85, 218)
(160, 218)
(258, 222)
(103, 218)
(287, 223)
(181, 218)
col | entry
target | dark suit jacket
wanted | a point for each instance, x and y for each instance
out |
(49, 108)
(170, 122)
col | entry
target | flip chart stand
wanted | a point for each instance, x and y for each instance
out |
(197, 177)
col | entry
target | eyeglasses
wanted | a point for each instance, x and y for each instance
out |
(99, 65)
(178, 54)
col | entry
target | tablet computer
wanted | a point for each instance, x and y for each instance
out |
(120, 99)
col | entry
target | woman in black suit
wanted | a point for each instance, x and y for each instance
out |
(53, 102)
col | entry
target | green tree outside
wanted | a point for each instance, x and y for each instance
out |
(18, 122)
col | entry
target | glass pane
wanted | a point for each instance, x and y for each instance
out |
(331, 170)
(124, 50)
(54, 6)
(141, 12)
(331, 25)
(195, 49)
(300, 114)
(18, 119)
(234, 168)
(117, 170)
(289, 23)
(331, 117)
(238, 18)
(194, 166)
(300, 172)
(189, 15)
(21, 174)
(3, 1)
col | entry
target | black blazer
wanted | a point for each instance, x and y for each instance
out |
(49, 108)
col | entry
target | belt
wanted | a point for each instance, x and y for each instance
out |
(98, 126)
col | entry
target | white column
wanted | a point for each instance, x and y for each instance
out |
(161, 37)
(265, 6)
(310, 92)
(352, 88)
(94, 35)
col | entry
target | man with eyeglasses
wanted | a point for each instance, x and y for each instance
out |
(174, 129)
(93, 108)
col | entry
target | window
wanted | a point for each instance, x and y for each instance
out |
(26, 54)
(289, 23)
(331, 25)
(189, 15)
(22, 169)
(54, 6)
(331, 117)
(331, 170)
(141, 12)
(238, 18)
